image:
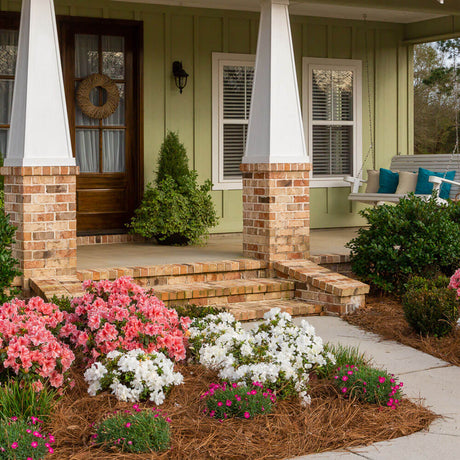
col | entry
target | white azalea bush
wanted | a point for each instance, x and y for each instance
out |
(277, 353)
(133, 376)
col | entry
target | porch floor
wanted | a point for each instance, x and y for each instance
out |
(218, 247)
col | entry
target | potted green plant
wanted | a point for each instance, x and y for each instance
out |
(175, 210)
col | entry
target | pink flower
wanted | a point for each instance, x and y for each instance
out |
(247, 415)
(228, 403)
(128, 425)
(34, 444)
(381, 379)
(14, 445)
(344, 378)
(344, 389)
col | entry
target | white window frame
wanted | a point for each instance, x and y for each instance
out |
(308, 65)
(219, 60)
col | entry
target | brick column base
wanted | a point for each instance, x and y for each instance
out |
(41, 201)
(276, 211)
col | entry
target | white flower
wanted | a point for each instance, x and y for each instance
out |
(280, 350)
(143, 373)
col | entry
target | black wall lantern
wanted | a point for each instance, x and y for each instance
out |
(180, 75)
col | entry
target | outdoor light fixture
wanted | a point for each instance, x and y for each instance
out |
(180, 75)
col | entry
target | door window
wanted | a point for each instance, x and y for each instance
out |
(100, 145)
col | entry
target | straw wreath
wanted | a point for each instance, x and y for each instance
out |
(83, 96)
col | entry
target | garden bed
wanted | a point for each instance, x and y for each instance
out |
(330, 422)
(384, 316)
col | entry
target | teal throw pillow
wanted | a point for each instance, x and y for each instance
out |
(388, 181)
(424, 187)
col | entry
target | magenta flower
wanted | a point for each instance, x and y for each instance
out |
(34, 444)
(247, 415)
(14, 445)
(128, 425)
(228, 403)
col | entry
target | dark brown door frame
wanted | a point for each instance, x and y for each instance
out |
(134, 61)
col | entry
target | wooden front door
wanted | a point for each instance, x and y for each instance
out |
(108, 149)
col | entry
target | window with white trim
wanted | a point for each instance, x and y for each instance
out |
(233, 77)
(332, 117)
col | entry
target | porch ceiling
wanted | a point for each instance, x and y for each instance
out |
(402, 11)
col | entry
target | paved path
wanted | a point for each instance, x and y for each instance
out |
(426, 377)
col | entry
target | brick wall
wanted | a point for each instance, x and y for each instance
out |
(41, 202)
(276, 211)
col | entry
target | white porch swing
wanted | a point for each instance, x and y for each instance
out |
(410, 163)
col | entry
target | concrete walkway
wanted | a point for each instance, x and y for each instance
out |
(436, 382)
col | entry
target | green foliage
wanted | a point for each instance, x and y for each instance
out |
(435, 101)
(8, 264)
(413, 238)
(140, 431)
(367, 384)
(193, 311)
(64, 303)
(172, 161)
(430, 307)
(230, 400)
(344, 354)
(177, 210)
(25, 402)
(21, 440)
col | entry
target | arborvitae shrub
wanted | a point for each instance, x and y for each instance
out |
(430, 307)
(172, 161)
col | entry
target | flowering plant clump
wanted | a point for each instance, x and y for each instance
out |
(233, 400)
(20, 439)
(120, 315)
(133, 376)
(29, 343)
(277, 353)
(135, 431)
(369, 385)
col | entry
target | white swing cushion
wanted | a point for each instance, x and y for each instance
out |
(407, 182)
(373, 176)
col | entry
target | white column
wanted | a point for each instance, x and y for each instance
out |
(275, 132)
(39, 134)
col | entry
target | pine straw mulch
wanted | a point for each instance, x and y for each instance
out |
(329, 423)
(384, 316)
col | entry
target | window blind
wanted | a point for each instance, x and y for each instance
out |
(333, 122)
(236, 101)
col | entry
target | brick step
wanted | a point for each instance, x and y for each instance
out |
(337, 293)
(249, 311)
(225, 292)
(169, 274)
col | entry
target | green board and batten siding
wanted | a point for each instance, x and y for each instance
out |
(191, 35)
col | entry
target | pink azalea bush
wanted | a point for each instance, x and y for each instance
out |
(454, 282)
(29, 342)
(121, 315)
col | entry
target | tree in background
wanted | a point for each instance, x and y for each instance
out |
(435, 97)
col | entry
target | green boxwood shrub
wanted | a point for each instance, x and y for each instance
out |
(415, 237)
(176, 210)
(430, 307)
(8, 264)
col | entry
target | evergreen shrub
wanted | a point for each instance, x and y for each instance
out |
(415, 237)
(175, 210)
(430, 307)
(8, 264)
